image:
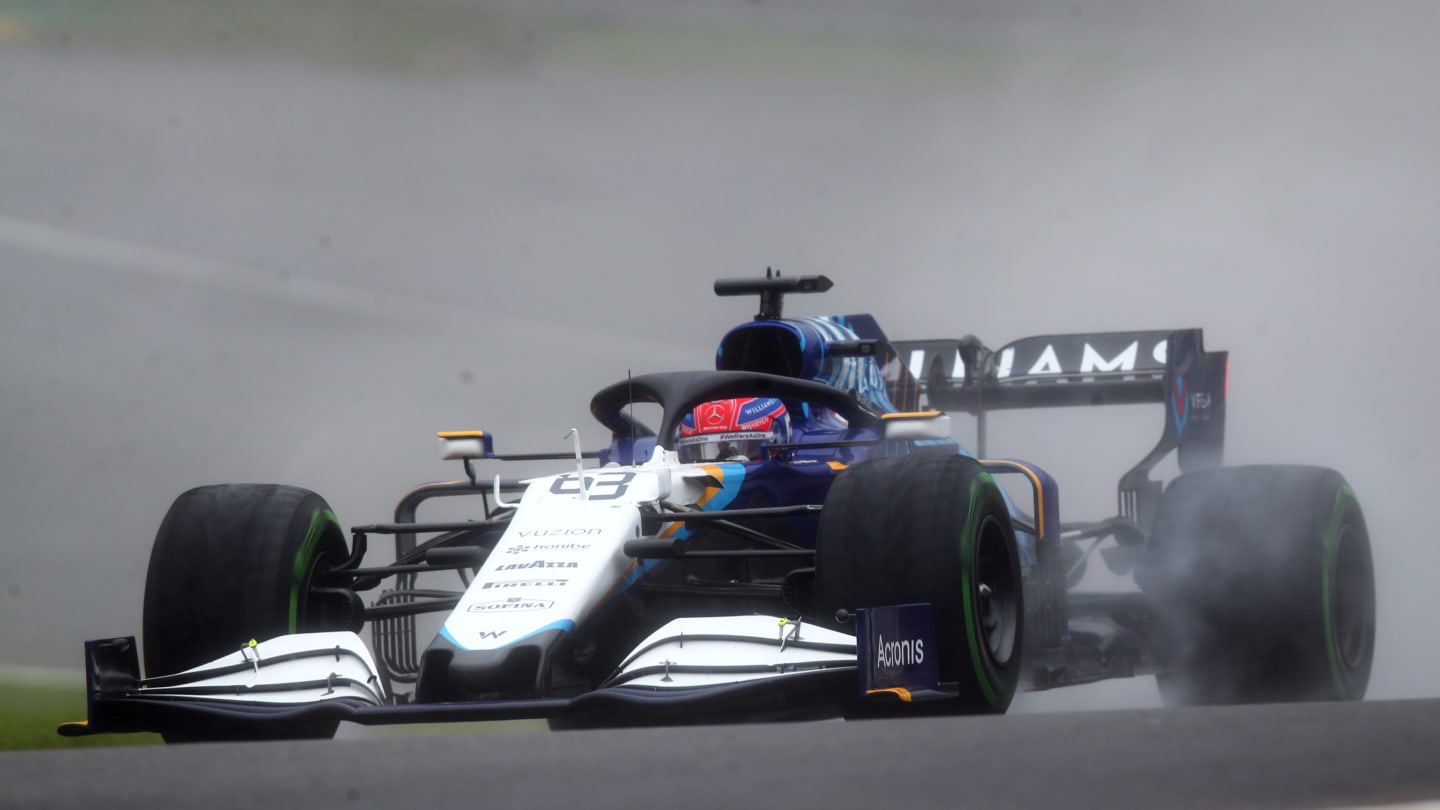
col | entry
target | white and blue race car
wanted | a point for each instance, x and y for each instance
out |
(850, 559)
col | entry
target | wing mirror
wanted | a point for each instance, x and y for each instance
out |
(916, 425)
(466, 444)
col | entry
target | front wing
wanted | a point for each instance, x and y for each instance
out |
(698, 670)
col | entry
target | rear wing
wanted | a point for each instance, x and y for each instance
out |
(1109, 368)
(1037, 372)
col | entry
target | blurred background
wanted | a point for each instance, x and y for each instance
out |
(287, 240)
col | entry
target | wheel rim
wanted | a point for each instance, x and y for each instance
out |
(997, 593)
(1353, 608)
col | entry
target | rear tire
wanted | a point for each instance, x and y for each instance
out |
(235, 562)
(933, 529)
(1262, 587)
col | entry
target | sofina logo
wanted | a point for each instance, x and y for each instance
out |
(514, 604)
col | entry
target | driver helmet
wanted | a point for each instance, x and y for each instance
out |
(732, 430)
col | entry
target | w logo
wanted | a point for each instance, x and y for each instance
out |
(491, 634)
(1181, 407)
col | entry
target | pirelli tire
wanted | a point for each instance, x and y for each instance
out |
(235, 562)
(1262, 587)
(931, 529)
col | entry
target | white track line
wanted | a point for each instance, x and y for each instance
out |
(173, 265)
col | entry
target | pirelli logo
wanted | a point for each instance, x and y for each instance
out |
(525, 583)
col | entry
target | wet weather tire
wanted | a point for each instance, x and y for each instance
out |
(236, 562)
(934, 529)
(1262, 587)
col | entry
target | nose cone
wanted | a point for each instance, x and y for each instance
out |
(449, 673)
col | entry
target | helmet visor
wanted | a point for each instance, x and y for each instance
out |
(736, 446)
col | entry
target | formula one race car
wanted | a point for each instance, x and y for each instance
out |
(798, 536)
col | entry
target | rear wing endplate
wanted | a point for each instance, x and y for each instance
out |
(1108, 368)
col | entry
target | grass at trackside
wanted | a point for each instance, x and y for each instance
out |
(29, 713)
(450, 38)
(379, 36)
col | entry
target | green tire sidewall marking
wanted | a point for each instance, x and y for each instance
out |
(306, 554)
(1330, 553)
(967, 553)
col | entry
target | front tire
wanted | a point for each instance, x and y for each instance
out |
(932, 529)
(1262, 587)
(236, 562)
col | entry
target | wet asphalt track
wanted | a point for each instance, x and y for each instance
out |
(1303, 756)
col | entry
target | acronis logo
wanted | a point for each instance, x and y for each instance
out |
(903, 653)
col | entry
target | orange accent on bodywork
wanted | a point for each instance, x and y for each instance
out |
(1034, 480)
(911, 415)
(461, 434)
(898, 691)
(714, 471)
(718, 473)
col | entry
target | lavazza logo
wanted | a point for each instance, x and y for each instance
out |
(904, 653)
(523, 566)
(513, 604)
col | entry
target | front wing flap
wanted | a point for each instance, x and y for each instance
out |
(119, 701)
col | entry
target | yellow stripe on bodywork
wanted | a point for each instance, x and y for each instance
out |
(1034, 481)
(461, 434)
